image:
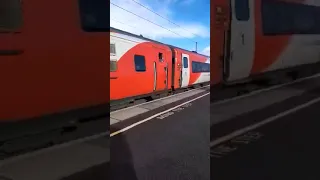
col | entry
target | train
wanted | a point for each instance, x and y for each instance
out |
(263, 39)
(54, 67)
(141, 68)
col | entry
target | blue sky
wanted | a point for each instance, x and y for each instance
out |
(193, 17)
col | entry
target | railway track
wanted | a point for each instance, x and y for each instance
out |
(114, 106)
(227, 92)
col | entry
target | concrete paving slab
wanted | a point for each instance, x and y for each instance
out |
(152, 106)
(170, 100)
(228, 110)
(113, 121)
(128, 113)
(192, 93)
(54, 165)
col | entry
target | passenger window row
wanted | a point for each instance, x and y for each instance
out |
(289, 18)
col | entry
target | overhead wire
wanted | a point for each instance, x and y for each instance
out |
(150, 21)
(163, 17)
(123, 23)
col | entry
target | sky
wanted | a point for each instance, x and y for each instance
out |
(191, 16)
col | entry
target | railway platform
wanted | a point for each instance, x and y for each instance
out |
(61, 162)
(269, 134)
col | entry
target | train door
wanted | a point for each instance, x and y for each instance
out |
(221, 41)
(185, 72)
(160, 70)
(242, 39)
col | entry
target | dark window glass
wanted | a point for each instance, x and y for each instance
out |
(242, 10)
(185, 62)
(160, 56)
(279, 18)
(113, 66)
(112, 49)
(10, 15)
(95, 15)
(198, 67)
(195, 67)
(140, 63)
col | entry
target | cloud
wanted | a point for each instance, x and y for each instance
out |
(126, 21)
(206, 51)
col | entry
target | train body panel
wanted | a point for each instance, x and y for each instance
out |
(199, 69)
(195, 66)
(50, 65)
(298, 48)
(176, 72)
(219, 42)
(204, 76)
(141, 67)
(263, 36)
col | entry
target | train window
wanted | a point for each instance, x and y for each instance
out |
(208, 67)
(279, 18)
(204, 68)
(195, 67)
(10, 15)
(198, 67)
(242, 10)
(304, 23)
(160, 56)
(140, 63)
(113, 65)
(95, 15)
(185, 62)
(112, 49)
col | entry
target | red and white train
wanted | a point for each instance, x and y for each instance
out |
(257, 38)
(142, 68)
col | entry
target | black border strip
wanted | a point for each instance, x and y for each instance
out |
(12, 52)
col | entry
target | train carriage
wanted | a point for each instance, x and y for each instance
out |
(141, 67)
(253, 38)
